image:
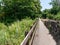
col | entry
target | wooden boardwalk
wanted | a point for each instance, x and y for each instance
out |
(40, 36)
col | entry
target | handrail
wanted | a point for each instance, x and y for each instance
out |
(49, 20)
(26, 39)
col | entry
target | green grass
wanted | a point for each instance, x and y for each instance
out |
(14, 34)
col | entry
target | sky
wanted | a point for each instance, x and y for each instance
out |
(45, 4)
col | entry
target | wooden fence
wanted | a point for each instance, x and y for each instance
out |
(29, 38)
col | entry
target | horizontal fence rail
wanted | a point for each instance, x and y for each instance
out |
(50, 20)
(28, 39)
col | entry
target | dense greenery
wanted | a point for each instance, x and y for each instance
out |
(57, 17)
(13, 22)
(14, 34)
(55, 9)
(18, 9)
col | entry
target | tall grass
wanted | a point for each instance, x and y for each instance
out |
(14, 34)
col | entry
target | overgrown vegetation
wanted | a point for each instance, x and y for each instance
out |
(57, 17)
(13, 22)
(14, 34)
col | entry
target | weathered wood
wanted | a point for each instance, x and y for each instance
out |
(26, 40)
(31, 41)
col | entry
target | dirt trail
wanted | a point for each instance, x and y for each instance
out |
(42, 36)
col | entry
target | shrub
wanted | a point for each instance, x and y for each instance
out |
(14, 34)
(57, 17)
(50, 16)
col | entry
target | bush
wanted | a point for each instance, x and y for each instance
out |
(57, 17)
(50, 16)
(14, 34)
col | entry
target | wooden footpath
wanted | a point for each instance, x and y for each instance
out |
(38, 35)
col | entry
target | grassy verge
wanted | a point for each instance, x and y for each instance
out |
(14, 34)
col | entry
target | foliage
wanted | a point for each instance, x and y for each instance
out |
(18, 9)
(55, 2)
(50, 16)
(12, 13)
(57, 17)
(14, 34)
(56, 7)
(45, 13)
(55, 10)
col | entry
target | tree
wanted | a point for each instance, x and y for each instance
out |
(56, 6)
(21, 8)
(55, 2)
(18, 9)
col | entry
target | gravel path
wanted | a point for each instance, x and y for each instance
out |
(42, 36)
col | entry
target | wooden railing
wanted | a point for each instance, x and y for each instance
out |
(29, 38)
(49, 20)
